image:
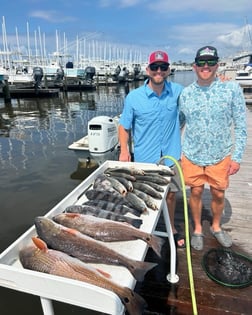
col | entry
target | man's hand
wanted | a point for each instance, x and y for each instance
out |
(233, 168)
(125, 156)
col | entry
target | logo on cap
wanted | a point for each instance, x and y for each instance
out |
(207, 52)
(158, 56)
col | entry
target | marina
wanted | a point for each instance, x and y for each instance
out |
(39, 170)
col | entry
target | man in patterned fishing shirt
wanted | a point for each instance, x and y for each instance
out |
(213, 142)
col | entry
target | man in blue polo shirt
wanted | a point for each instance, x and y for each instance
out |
(151, 113)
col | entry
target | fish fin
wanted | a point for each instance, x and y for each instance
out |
(73, 215)
(105, 274)
(71, 231)
(137, 223)
(140, 268)
(39, 243)
(155, 243)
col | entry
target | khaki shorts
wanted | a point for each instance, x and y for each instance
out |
(215, 175)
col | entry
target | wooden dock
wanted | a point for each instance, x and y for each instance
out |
(211, 298)
(30, 93)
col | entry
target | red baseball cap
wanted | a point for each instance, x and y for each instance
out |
(158, 56)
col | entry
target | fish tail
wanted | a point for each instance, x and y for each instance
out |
(140, 268)
(137, 223)
(156, 243)
(133, 302)
(133, 211)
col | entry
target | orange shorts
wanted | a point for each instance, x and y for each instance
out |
(215, 175)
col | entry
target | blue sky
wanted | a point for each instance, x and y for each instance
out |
(128, 26)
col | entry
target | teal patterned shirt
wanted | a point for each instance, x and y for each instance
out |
(215, 120)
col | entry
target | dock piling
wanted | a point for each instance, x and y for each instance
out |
(6, 92)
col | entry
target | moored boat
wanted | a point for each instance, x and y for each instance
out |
(244, 69)
(101, 143)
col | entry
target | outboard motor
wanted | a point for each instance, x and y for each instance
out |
(123, 75)
(103, 138)
(137, 70)
(116, 73)
(89, 73)
(59, 75)
(117, 70)
(37, 76)
(69, 65)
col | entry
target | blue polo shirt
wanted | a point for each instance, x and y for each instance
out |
(154, 122)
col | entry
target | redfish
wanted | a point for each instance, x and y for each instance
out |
(108, 231)
(42, 259)
(87, 249)
(105, 214)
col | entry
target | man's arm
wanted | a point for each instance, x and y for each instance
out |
(123, 134)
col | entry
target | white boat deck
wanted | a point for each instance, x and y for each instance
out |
(80, 145)
(49, 287)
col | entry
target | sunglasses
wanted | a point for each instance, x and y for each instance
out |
(210, 63)
(162, 66)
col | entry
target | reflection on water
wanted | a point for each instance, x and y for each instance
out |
(37, 127)
(84, 169)
(36, 168)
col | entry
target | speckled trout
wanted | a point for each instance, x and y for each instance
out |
(87, 249)
(107, 230)
(42, 259)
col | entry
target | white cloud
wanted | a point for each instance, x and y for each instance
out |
(52, 16)
(121, 3)
(238, 38)
(187, 39)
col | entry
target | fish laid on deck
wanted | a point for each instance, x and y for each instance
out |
(137, 202)
(148, 189)
(109, 183)
(161, 170)
(110, 206)
(92, 194)
(126, 183)
(117, 185)
(42, 259)
(130, 177)
(102, 183)
(155, 178)
(128, 170)
(149, 201)
(85, 248)
(105, 214)
(157, 187)
(108, 231)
